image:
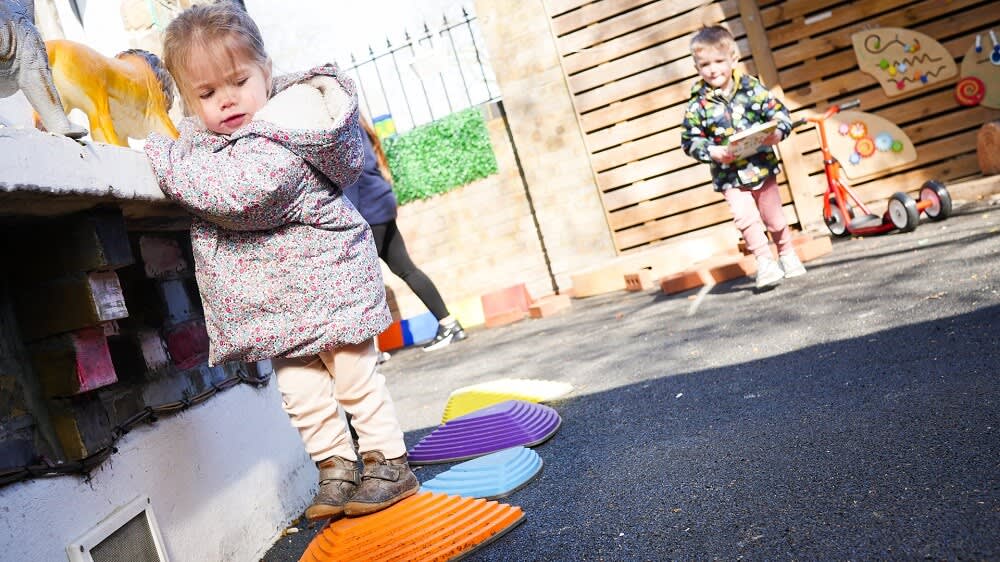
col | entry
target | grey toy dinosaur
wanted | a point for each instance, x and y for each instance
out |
(24, 65)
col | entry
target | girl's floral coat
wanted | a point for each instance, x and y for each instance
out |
(711, 118)
(285, 265)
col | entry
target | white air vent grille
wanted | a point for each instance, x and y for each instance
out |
(130, 534)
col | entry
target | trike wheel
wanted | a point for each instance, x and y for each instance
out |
(836, 222)
(903, 212)
(937, 194)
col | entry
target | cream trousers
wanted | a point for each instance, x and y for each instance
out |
(316, 387)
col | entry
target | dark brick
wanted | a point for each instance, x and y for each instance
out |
(91, 241)
(81, 425)
(61, 305)
(73, 363)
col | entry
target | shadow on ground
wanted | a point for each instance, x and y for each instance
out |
(842, 450)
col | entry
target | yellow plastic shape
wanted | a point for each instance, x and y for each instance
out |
(475, 397)
(468, 311)
(425, 526)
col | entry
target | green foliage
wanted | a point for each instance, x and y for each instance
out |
(440, 156)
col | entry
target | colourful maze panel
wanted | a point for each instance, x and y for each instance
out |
(492, 476)
(471, 398)
(501, 426)
(425, 526)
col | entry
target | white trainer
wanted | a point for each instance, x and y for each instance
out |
(791, 265)
(769, 273)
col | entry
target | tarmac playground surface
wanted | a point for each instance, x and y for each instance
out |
(853, 413)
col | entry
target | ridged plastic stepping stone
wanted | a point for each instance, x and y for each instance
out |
(474, 397)
(425, 526)
(498, 427)
(495, 475)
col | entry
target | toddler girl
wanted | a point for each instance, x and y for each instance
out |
(286, 267)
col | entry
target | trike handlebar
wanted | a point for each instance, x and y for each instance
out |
(830, 112)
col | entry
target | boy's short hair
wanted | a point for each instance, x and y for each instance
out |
(712, 37)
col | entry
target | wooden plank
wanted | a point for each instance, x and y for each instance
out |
(663, 207)
(697, 219)
(633, 129)
(636, 84)
(672, 226)
(593, 13)
(909, 17)
(789, 10)
(846, 60)
(636, 150)
(841, 16)
(616, 27)
(643, 169)
(659, 55)
(674, 181)
(556, 7)
(639, 105)
(680, 26)
(951, 123)
(672, 204)
(673, 54)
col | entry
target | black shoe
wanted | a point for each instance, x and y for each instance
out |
(447, 334)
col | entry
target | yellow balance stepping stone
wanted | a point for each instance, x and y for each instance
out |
(471, 398)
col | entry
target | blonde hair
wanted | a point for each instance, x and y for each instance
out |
(714, 37)
(223, 28)
(380, 158)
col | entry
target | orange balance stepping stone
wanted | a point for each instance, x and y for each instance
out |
(425, 526)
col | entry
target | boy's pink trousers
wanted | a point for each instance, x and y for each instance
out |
(755, 210)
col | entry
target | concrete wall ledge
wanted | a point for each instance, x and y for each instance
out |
(42, 174)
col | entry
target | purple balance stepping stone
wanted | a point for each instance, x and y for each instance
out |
(501, 426)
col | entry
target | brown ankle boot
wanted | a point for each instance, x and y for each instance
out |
(383, 483)
(338, 479)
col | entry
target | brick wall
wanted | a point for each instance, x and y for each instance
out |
(475, 239)
(544, 124)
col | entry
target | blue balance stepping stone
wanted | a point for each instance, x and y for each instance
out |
(496, 475)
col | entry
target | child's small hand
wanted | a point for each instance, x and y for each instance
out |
(774, 138)
(720, 154)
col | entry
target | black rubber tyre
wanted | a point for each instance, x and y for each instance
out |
(937, 193)
(836, 223)
(903, 212)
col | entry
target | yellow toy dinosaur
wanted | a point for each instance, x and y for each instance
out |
(126, 96)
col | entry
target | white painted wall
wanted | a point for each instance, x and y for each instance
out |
(224, 477)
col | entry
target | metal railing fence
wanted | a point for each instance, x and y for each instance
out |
(425, 77)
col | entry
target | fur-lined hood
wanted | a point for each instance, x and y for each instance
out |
(314, 114)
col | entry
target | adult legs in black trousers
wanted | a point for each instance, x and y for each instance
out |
(392, 250)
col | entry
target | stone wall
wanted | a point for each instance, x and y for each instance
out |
(547, 134)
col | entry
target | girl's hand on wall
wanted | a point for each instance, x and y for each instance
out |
(720, 154)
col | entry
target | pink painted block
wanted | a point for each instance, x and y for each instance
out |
(506, 302)
(188, 344)
(92, 358)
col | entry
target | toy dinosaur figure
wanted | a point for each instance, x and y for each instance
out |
(126, 96)
(23, 66)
